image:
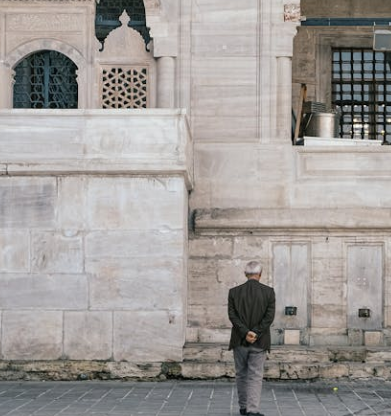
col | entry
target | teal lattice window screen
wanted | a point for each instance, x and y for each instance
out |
(46, 79)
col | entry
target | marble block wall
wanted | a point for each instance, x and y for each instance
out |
(92, 268)
(93, 242)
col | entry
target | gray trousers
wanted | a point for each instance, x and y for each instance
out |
(249, 362)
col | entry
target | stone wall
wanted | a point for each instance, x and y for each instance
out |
(89, 271)
(318, 217)
(345, 8)
(328, 276)
(93, 244)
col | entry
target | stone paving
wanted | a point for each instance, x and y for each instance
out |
(191, 398)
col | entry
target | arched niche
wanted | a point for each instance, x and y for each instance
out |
(107, 19)
(28, 48)
(45, 79)
(126, 71)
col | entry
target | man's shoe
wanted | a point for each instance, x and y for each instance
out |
(243, 411)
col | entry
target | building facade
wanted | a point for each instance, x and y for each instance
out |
(147, 154)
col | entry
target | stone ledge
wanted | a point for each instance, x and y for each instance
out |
(108, 370)
(100, 142)
(292, 219)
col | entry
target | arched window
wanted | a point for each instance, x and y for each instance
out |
(109, 11)
(46, 79)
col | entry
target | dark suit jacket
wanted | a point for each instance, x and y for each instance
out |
(251, 307)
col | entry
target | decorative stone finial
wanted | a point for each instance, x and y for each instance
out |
(124, 18)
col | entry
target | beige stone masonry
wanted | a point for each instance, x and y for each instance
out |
(90, 141)
(32, 335)
(300, 219)
(291, 337)
(88, 335)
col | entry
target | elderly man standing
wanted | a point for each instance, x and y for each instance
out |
(251, 309)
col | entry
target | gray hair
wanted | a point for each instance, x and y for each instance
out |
(253, 267)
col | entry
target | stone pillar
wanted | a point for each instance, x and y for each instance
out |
(284, 98)
(6, 86)
(166, 82)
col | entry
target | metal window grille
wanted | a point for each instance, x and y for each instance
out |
(361, 90)
(109, 11)
(46, 79)
(125, 87)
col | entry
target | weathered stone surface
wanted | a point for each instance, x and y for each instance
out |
(328, 316)
(27, 202)
(214, 335)
(224, 128)
(361, 371)
(32, 335)
(208, 316)
(122, 203)
(72, 203)
(230, 273)
(271, 370)
(387, 316)
(154, 141)
(334, 371)
(138, 243)
(205, 247)
(224, 100)
(348, 8)
(123, 370)
(251, 247)
(356, 337)
(126, 214)
(59, 292)
(207, 352)
(291, 270)
(322, 291)
(14, 251)
(211, 13)
(191, 334)
(88, 335)
(299, 371)
(207, 370)
(355, 355)
(161, 333)
(373, 338)
(298, 354)
(213, 71)
(326, 247)
(202, 277)
(122, 283)
(378, 356)
(292, 337)
(265, 219)
(53, 252)
(328, 336)
(365, 285)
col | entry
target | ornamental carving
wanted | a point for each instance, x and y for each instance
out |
(292, 13)
(44, 22)
(124, 42)
(125, 87)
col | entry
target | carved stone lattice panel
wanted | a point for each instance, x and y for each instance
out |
(125, 87)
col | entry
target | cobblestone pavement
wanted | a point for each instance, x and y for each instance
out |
(191, 398)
